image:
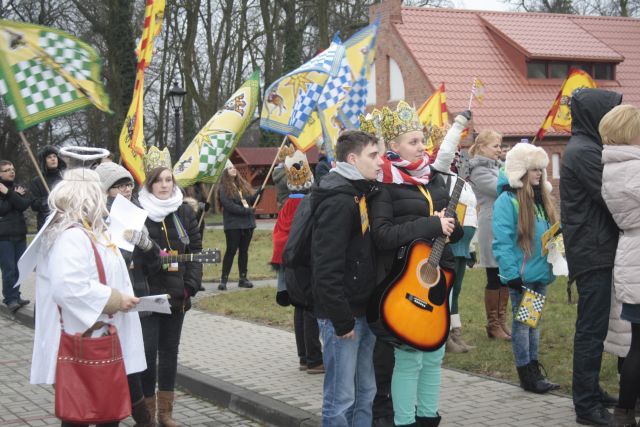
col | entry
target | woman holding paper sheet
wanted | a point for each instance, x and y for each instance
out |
(172, 226)
(68, 287)
(523, 212)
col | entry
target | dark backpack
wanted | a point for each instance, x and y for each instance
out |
(296, 257)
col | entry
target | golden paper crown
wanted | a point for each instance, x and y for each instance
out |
(299, 175)
(156, 158)
(437, 133)
(285, 152)
(371, 123)
(395, 123)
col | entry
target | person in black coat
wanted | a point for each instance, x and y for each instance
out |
(13, 234)
(590, 238)
(343, 272)
(173, 226)
(236, 199)
(51, 166)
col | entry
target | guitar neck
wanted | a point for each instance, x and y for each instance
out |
(180, 258)
(438, 246)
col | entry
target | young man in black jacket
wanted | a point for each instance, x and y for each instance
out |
(13, 234)
(591, 239)
(343, 279)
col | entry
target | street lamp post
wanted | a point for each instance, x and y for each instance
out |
(176, 97)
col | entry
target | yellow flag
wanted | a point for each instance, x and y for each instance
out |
(478, 90)
(434, 112)
(131, 143)
(310, 135)
(559, 116)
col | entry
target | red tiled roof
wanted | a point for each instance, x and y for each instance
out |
(263, 156)
(454, 46)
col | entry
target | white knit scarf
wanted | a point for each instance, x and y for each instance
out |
(158, 209)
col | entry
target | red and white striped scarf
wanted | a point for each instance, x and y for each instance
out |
(395, 170)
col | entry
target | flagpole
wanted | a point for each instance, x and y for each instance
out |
(273, 164)
(33, 159)
(206, 201)
(471, 94)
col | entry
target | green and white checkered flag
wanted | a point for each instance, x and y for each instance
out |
(214, 155)
(46, 73)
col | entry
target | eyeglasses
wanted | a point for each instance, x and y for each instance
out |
(8, 170)
(123, 187)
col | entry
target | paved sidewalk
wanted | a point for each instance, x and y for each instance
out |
(253, 370)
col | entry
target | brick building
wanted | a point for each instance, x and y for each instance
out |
(522, 58)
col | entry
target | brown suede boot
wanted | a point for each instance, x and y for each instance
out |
(141, 414)
(165, 409)
(452, 346)
(503, 303)
(456, 335)
(491, 303)
(150, 403)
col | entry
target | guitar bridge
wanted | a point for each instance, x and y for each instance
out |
(419, 303)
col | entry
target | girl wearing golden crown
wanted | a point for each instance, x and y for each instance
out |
(173, 226)
(410, 206)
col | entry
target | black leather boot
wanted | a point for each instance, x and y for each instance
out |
(537, 369)
(529, 382)
(244, 282)
(223, 284)
(428, 421)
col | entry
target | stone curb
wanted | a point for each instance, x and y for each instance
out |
(240, 400)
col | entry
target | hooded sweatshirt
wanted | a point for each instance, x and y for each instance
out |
(590, 234)
(37, 191)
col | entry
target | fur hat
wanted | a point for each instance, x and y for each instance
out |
(522, 158)
(110, 173)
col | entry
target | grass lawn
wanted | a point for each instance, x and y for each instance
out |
(490, 357)
(259, 256)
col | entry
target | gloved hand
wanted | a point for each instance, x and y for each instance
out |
(138, 238)
(463, 117)
(467, 114)
(515, 284)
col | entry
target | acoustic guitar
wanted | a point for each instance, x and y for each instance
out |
(209, 256)
(414, 306)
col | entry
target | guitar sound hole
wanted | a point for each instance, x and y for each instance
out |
(429, 276)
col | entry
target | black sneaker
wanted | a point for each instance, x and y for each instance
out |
(596, 417)
(23, 302)
(244, 283)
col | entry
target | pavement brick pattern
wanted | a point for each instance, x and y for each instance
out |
(23, 404)
(263, 359)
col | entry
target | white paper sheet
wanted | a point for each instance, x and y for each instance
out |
(157, 303)
(124, 215)
(29, 259)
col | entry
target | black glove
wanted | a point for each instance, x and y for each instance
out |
(467, 114)
(259, 191)
(515, 284)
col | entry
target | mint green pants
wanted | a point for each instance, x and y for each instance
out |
(416, 383)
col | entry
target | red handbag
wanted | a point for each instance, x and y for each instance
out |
(91, 382)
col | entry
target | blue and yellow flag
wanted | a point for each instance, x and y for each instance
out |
(46, 73)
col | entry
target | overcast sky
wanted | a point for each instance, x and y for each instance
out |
(481, 4)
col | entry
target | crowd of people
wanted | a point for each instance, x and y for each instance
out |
(382, 193)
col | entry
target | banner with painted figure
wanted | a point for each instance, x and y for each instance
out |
(47, 73)
(206, 155)
(290, 100)
(434, 113)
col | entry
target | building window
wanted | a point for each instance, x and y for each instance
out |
(603, 71)
(396, 82)
(371, 86)
(537, 70)
(555, 166)
(559, 69)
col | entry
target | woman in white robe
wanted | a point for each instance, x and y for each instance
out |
(67, 277)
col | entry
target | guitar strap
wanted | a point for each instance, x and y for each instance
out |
(427, 196)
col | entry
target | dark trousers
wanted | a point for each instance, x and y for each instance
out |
(135, 387)
(161, 334)
(493, 282)
(237, 240)
(307, 337)
(460, 269)
(594, 299)
(10, 253)
(383, 363)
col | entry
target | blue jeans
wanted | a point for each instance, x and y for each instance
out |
(524, 340)
(10, 253)
(349, 381)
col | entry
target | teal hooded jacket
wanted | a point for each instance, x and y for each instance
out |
(512, 261)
